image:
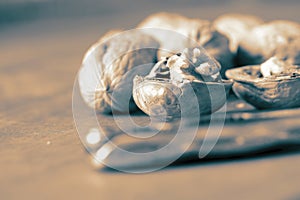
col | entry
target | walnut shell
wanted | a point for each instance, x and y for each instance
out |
(189, 32)
(163, 98)
(264, 93)
(109, 66)
(278, 38)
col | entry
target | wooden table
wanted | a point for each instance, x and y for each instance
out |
(42, 156)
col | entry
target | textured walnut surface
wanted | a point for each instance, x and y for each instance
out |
(279, 38)
(236, 27)
(109, 66)
(189, 31)
(266, 92)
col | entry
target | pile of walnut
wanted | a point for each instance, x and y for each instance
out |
(110, 66)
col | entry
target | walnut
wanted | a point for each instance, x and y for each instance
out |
(189, 31)
(277, 38)
(276, 90)
(177, 80)
(236, 27)
(109, 66)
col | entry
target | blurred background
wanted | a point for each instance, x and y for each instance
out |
(24, 11)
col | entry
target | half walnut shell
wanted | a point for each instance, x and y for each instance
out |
(167, 99)
(263, 93)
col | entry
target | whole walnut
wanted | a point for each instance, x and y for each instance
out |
(188, 32)
(236, 27)
(278, 38)
(109, 66)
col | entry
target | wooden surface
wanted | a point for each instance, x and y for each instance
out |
(42, 156)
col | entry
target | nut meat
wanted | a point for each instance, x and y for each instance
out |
(165, 91)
